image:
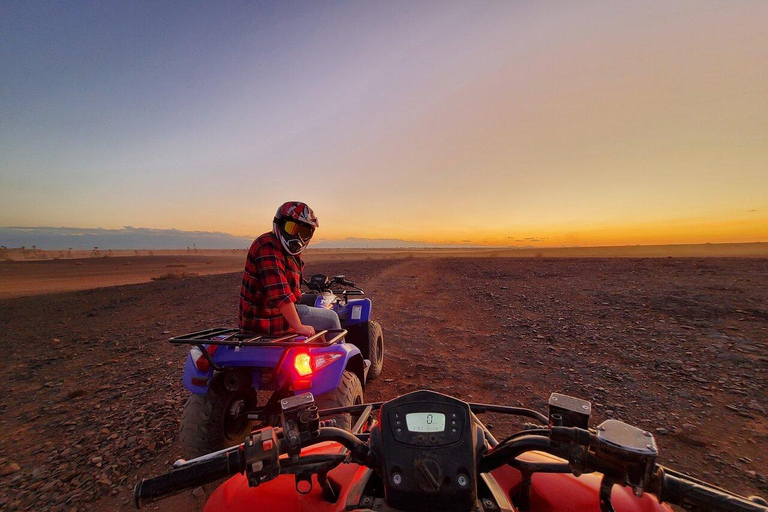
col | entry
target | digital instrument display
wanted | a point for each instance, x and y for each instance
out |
(432, 448)
(425, 421)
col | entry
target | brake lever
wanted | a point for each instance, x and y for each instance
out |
(606, 485)
(300, 421)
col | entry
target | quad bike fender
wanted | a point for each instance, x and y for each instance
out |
(230, 357)
(354, 312)
(194, 380)
(561, 492)
(325, 379)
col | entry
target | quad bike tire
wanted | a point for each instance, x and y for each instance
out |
(375, 350)
(206, 425)
(368, 337)
(349, 392)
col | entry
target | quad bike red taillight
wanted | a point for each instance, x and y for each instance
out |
(200, 361)
(302, 363)
(305, 364)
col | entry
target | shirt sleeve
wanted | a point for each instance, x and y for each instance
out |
(271, 271)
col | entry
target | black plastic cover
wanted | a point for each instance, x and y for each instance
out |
(432, 469)
(319, 282)
(615, 435)
(569, 411)
(299, 401)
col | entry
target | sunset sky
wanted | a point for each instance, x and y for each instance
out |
(504, 123)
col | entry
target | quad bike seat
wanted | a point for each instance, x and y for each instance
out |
(308, 298)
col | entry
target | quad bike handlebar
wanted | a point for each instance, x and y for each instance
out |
(239, 459)
(613, 449)
(189, 476)
(667, 485)
(321, 283)
(585, 454)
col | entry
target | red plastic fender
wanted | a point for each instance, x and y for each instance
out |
(560, 492)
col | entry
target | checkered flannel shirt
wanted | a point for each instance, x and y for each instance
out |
(271, 279)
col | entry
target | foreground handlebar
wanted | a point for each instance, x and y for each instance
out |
(188, 476)
(695, 496)
(230, 462)
(505, 452)
(667, 485)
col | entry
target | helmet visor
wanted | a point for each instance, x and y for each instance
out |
(295, 229)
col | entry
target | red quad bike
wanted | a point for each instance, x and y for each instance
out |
(426, 451)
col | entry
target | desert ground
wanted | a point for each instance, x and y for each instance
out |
(26, 272)
(92, 395)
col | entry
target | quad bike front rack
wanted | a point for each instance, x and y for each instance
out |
(234, 337)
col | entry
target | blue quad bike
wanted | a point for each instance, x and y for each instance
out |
(238, 379)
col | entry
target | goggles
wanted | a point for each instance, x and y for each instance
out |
(295, 229)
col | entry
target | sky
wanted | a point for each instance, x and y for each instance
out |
(501, 123)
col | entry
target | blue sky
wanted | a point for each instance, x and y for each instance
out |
(603, 122)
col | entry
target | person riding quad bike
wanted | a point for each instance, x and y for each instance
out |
(272, 278)
(238, 377)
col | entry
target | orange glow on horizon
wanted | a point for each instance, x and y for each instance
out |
(673, 232)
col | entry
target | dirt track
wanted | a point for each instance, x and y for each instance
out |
(93, 397)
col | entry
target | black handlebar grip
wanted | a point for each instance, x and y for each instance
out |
(186, 477)
(693, 496)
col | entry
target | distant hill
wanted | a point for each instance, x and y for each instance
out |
(117, 239)
(128, 237)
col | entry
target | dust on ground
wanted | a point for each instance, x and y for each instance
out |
(92, 394)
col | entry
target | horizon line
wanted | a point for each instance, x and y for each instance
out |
(143, 238)
(431, 246)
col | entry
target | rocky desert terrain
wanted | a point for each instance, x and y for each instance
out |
(91, 393)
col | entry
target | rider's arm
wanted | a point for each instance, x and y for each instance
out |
(292, 316)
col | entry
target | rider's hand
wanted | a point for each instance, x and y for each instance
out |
(305, 330)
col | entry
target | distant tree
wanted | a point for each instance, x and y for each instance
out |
(3, 252)
(69, 252)
(95, 253)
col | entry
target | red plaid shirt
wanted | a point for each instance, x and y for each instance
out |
(271, 279)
